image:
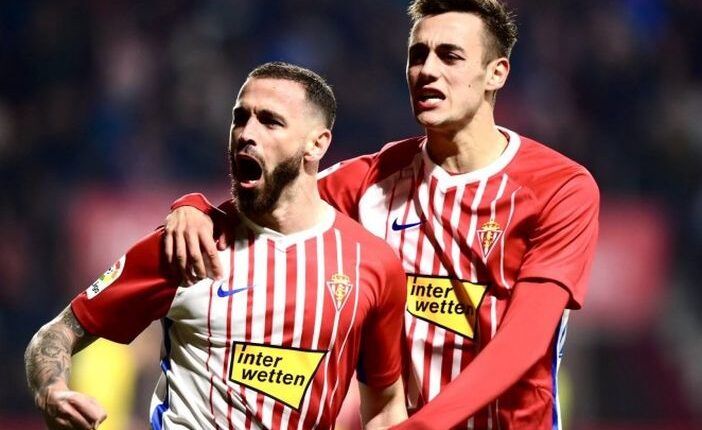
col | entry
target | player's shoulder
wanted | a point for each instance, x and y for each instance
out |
(538, 166)
(371, 244)
(400, 152)
(374, 167)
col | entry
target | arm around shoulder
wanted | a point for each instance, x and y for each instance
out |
(189, 243)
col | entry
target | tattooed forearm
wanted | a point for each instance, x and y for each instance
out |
(48, 355)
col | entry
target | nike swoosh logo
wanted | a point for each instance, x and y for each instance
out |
(398, 227)
(226, 293)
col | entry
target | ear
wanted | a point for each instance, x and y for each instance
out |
(317, 144)
(497, 72)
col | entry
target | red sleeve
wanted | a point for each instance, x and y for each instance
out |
(341, 185)
(562, 246)
(520, 341)
(380, 361)
(135, 291)
(196, 200)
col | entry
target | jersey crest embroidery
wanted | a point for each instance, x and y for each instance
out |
(489, 234)
(339, 286)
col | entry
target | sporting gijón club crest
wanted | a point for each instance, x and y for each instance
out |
(339, 287)
(489, 234)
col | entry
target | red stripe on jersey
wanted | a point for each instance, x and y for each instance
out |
(431, 331)
(342, 373)
(249, 315)
(436, 268)
(263, 413)
(306, 338)
(401, 248)
(449, 340)
(387, 218)
(420, 239)
(330, 266)
(225, 362)
(464, 235)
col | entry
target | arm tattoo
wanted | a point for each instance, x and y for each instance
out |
(48, 355)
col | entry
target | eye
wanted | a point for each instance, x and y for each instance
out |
(270, 119)
(240, 117)
(450, 57)
(417, 55)
(271, 122)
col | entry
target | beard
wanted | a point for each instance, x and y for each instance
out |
(261, 200)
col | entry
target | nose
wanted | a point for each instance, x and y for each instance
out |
(430, 67)
(245, 134)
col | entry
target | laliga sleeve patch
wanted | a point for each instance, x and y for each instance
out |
(106, 279)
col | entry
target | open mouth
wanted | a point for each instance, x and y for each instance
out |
(248, 170)
(429, 97)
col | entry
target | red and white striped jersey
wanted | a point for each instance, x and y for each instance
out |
(465, 240)
(273, 345)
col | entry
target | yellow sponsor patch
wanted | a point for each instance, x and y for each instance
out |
(281, 373)
(434, 299)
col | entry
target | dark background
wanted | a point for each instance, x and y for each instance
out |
(112, 105)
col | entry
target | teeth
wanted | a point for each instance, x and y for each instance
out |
(431, 100)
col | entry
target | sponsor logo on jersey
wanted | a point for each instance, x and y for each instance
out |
(106, 279)
(435, 299)
(278, 372)
(221, 292)
(339, 286)
(399, 227)
(489, 234)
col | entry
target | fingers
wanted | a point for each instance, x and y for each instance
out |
(72, 410)
(168, 238)
(168, 246)
(210, 255)
(89, 409)
(182, 258)
(192, 240)
(189, 245)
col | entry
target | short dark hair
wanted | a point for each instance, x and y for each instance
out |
(499, 21)
(316, 88)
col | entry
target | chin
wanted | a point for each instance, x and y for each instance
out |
(430, 120)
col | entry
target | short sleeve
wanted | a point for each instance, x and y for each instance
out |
(135, 291)
(562, 244)
(341, 185)
(380, 360)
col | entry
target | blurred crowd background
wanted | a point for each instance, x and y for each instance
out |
(109, 110)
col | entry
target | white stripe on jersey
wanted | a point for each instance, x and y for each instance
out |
(321, 287)
(278, 317)
(473, 225)
(258, 315)
(456, 213)
(502, 239)
(353, 317)
(335, 327)
(437, 211)
(299, 314)
(240, 278)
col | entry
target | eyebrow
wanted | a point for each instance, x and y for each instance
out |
(265, 113)
(440, 47)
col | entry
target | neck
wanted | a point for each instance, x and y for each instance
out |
(470, 148)
(299, 208)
